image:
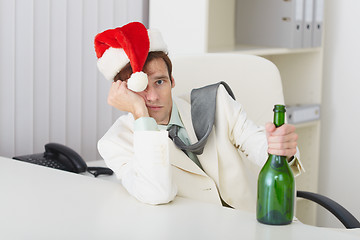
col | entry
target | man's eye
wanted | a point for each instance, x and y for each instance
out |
(159, 82)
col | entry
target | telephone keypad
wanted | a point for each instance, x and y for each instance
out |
(41, 159)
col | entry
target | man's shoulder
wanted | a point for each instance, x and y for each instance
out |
(182, 99)
(182, 103)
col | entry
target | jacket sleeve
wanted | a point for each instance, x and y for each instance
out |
(140, 159)
(245, 135)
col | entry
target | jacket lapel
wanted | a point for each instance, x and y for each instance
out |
(208, 158)
(180, 160)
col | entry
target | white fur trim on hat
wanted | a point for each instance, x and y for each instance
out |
(156, 41)
(112, 61)
(137, 82)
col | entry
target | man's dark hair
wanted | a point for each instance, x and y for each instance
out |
(126, 71)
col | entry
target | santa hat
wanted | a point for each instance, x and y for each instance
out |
(130, 43)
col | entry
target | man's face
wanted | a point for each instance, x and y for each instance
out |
(157, 95)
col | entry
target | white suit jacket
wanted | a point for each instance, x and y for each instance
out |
(154, 170)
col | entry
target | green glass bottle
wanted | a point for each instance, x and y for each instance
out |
(276, 185)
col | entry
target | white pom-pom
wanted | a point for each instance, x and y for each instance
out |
(138, 81)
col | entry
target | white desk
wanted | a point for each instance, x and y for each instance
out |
(42, 203)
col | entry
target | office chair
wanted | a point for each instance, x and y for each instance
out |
(344, 216)
(253, 79)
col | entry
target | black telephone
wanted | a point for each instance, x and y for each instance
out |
(64, 158)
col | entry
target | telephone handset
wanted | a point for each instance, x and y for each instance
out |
(68, 157)
(64, 158)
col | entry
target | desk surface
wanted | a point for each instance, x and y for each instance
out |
(43, 203)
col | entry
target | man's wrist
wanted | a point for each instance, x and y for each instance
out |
(140, 112)
(145, 124)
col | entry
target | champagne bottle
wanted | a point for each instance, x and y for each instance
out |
(276, 185)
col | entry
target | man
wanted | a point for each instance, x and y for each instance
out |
(137, 147)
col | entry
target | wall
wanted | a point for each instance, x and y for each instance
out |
(50, 89)
(340, 163)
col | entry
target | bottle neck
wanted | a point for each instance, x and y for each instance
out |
(279, 118)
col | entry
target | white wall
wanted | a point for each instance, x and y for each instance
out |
(339, 158)
(50, 88)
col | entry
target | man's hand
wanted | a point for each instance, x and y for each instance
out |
(126, 100)
(282, 141)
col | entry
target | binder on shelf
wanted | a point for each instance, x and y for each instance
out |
(302, 113)
(308, 23)
(318, 23)
(270, 23)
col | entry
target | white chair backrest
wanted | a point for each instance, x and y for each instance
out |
(254, 80)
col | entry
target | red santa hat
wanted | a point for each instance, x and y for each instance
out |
(129, 43)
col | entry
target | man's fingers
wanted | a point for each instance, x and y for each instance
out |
(283, 130)
(270, 127)
(292, 137)
(282, 141)
(282, 145)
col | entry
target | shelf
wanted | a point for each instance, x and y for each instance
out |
(306, 124)
(263, 51)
